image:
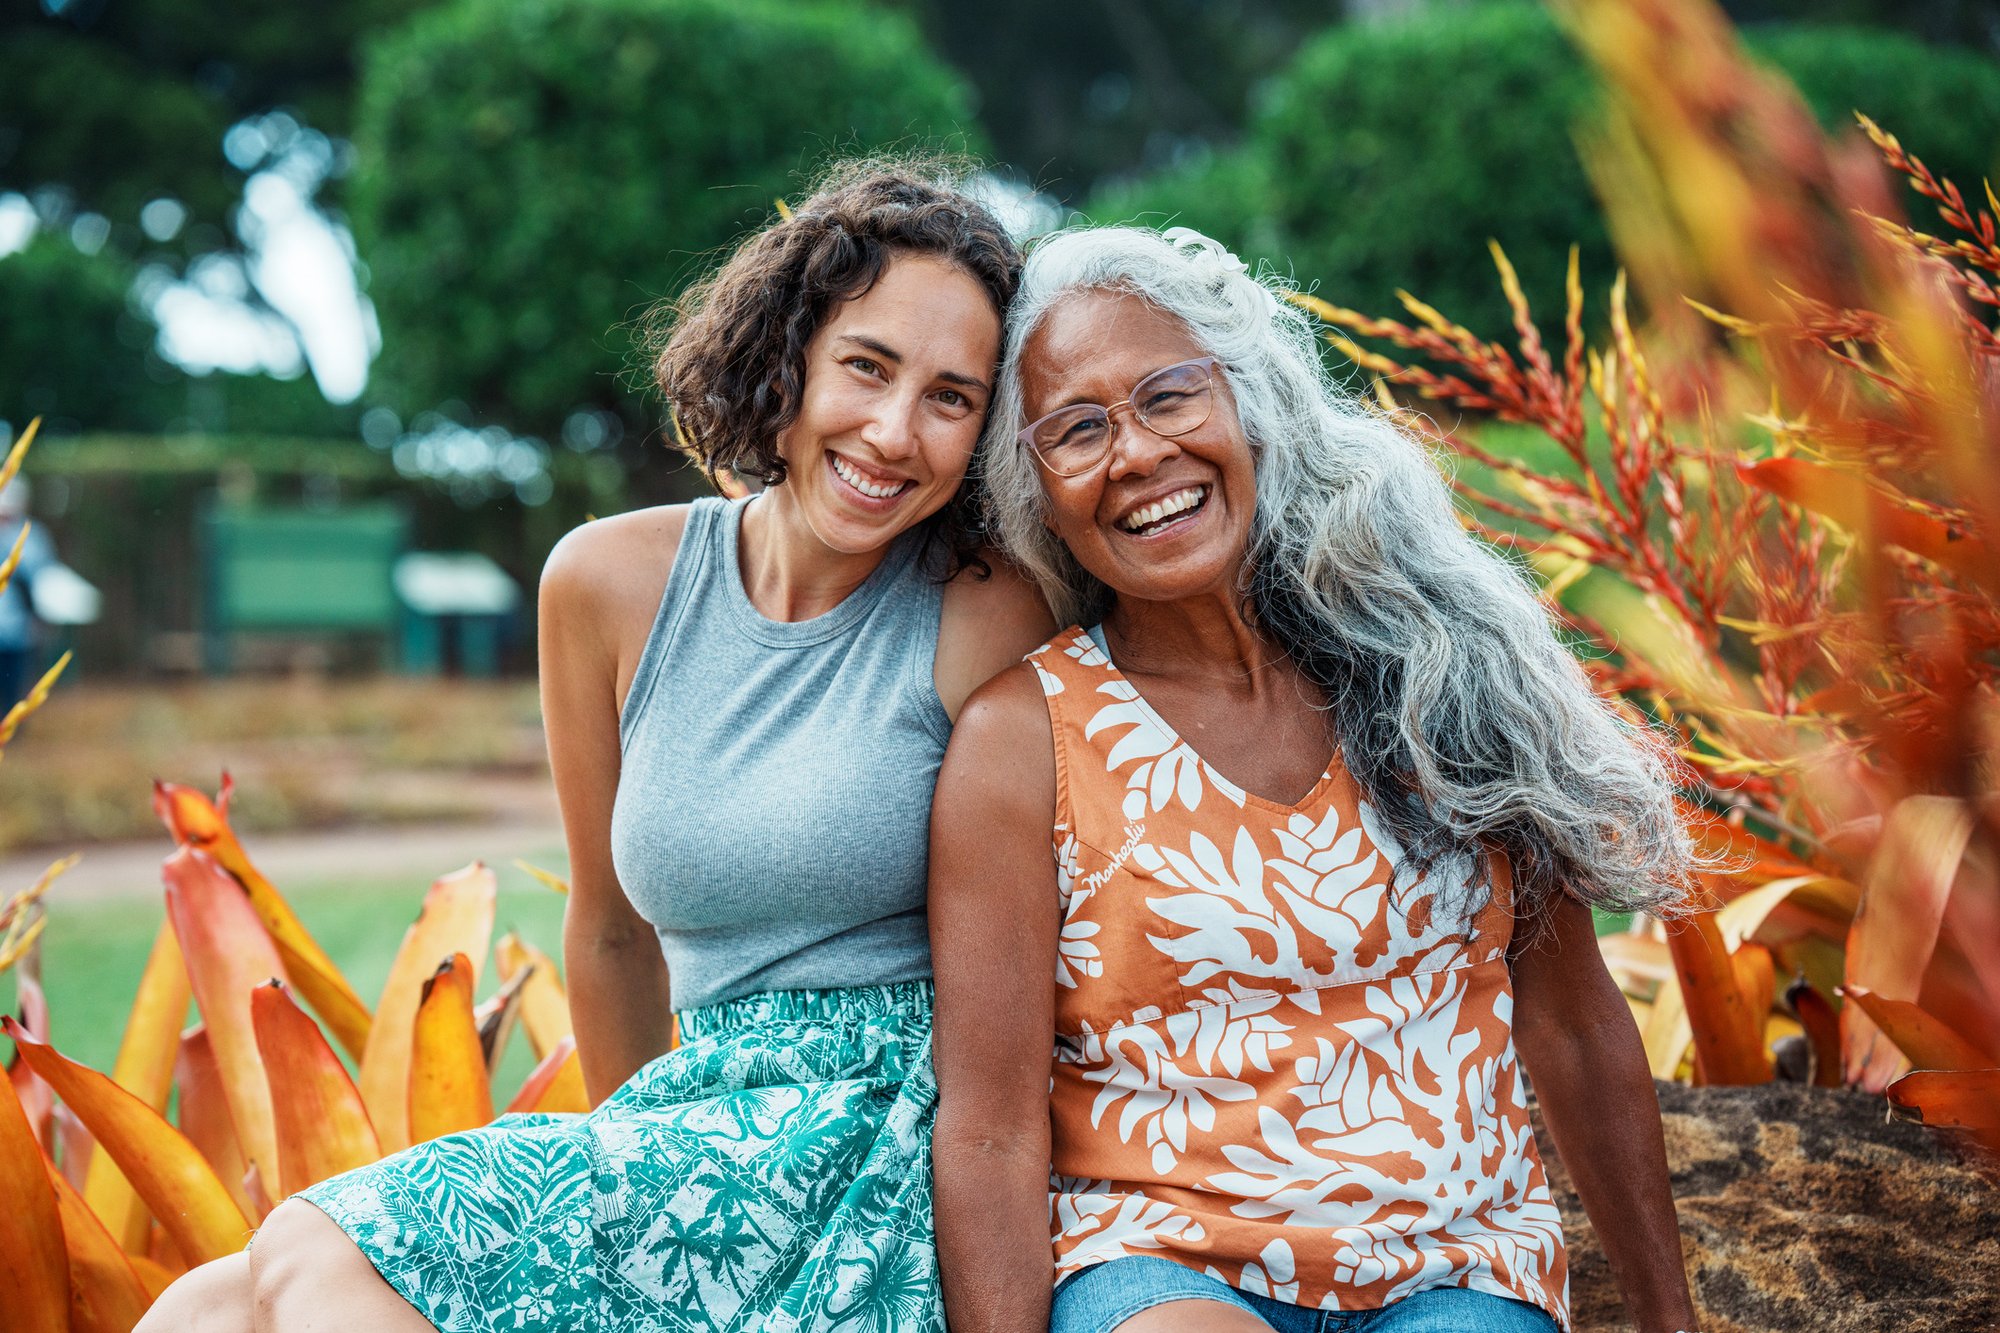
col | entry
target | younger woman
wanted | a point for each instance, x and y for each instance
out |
(746, 705)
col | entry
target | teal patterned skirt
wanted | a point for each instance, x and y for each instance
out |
(771, 1173)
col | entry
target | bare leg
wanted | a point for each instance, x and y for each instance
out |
(214, 1298)
(1195, 1316)
(309, 1276)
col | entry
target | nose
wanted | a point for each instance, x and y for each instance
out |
(891, 430)
(1135, 450)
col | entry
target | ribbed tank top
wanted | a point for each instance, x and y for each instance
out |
(772, 820)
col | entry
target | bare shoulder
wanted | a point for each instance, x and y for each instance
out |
(1003, 733)
(987, 624)
(601, 589)
(611, 563)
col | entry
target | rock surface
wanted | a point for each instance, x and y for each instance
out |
(1805, 1210)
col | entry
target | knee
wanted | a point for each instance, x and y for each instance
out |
(298, 1246)
(214, 1298)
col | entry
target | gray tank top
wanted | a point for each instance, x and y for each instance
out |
(773, 812)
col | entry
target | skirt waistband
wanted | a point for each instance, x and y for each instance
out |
(902, 999)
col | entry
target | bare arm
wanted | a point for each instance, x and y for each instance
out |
(1580, 1047)
(594, 617)
(994, 922)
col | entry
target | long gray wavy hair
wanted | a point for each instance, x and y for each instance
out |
(1461, 715)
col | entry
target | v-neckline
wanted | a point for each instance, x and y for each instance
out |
(1306, 803)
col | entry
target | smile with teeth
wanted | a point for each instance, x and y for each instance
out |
(1162, 512)
(858, 479)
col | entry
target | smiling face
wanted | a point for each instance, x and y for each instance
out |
(1158, 519)
(897, 381)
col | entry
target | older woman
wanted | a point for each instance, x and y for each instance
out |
(1293, 848)
(746, 703)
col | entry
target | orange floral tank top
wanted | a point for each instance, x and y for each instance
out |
(1274, 1063)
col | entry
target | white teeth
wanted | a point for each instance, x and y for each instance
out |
(1159, 509)
(853, 478)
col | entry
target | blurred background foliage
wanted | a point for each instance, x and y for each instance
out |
(532, 176)
(497, 190)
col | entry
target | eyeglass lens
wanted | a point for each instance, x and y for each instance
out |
(1168, 402)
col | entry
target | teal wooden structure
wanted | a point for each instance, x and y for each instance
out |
(301, 571)
(292, 570)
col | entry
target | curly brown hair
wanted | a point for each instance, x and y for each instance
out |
(730, 353)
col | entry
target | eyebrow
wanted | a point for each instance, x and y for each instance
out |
(890, 354)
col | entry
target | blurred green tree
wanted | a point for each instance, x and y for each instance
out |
(1387, 154)
(73, 348)
(535, 172)
(1971, 24)
(119, 103)
(1076, 92)
(77, 349)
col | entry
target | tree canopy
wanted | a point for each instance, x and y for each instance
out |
(534, 174)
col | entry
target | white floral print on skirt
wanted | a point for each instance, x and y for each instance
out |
(772, 1173)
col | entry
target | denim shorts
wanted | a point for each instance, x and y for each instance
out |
(1102, 1297)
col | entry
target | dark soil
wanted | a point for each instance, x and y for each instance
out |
(1805, 1210)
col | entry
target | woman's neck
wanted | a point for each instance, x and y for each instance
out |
(1203, 637)
(788, 573)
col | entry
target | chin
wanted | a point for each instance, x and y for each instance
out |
(856, 534)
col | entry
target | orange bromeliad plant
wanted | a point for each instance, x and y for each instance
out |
(109, 1200)
(1777, 525)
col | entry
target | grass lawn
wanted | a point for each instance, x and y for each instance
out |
(93, 953)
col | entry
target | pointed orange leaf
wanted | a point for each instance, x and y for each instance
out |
(155, 1276)
(1850, 500)
(1787, 908)
(556, 1084)
(105, 1293)
(1728, 1032)
(1896, 929)
(457, 917)
(1926, 1040)
(178, 1186)
(1958, 1099)
(449, 1089)
(145, 1068)
(1756, 979)
(544, 1005)
(229, 954)
(34, 1273)
(195, 821)
(322, 1128)
(1967, 1100)
(204, 1115)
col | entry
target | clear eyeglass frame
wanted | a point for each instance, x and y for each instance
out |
(1091, 411)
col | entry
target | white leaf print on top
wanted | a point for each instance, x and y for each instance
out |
(1165, 1077)
(1105, 1225)
(1230, 926)
(1271, 1034)
(1274, 1276)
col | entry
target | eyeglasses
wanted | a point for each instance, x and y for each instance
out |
(1171, 401)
